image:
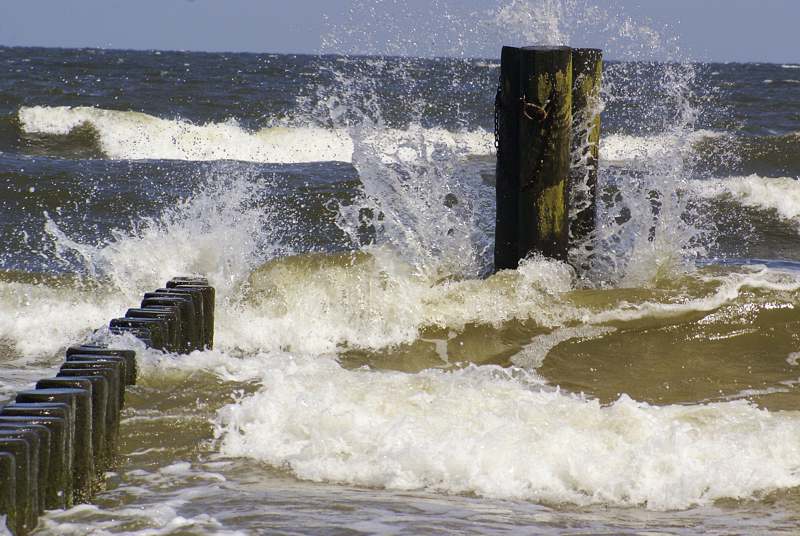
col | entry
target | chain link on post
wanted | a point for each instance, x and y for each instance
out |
(541, 113)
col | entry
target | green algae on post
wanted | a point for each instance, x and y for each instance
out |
(534, 125)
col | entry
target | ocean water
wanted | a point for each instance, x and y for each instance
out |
(371, 375)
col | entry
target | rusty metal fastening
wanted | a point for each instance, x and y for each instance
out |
(540, 112)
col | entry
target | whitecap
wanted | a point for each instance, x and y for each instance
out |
(499, 433)
(126, 135)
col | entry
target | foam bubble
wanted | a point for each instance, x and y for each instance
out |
(499, 433)
(371, 299)
(162, 504)
(217, 232)
(138, 136)
(540, 22)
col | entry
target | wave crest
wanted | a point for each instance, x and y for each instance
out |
(501, 433)
(781, 194)
(126, 135)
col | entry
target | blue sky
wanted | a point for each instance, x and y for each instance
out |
(721, 30)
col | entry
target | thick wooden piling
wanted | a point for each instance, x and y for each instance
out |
(587, 72)
(171, 317)
(97, 388)
(198, 299)
(121, 362)
(209, 299)
(152, 330)
(187, 313)
(112, 372)
(534, 124)
(33, 469)
(547, 129)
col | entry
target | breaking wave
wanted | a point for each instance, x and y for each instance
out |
(126, 135)
(502, 433)
(781, 194)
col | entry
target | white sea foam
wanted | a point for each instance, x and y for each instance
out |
(790, 66)
(138, 136)
(781, 194)
(533, 354)
(37, 319)
(624, 149)
(371, 300)
(167, 495)
(134, 135)
(499, 433)
(540, 22)
(217, 235)
(377, 301)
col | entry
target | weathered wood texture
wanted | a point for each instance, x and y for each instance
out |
(534, 130)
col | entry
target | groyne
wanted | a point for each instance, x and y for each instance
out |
(59, 438)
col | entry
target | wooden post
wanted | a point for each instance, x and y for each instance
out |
(534, 134)
(587, 71)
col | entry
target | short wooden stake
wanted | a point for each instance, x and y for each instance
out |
(55, 480)
(26, 461)
(58, 411)
(8, 490)
(80, 402)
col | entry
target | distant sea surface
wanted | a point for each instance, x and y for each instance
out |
(371, 375)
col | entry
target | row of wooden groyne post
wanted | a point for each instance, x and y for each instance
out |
(58, 439)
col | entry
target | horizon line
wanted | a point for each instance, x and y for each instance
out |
(372, 55)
